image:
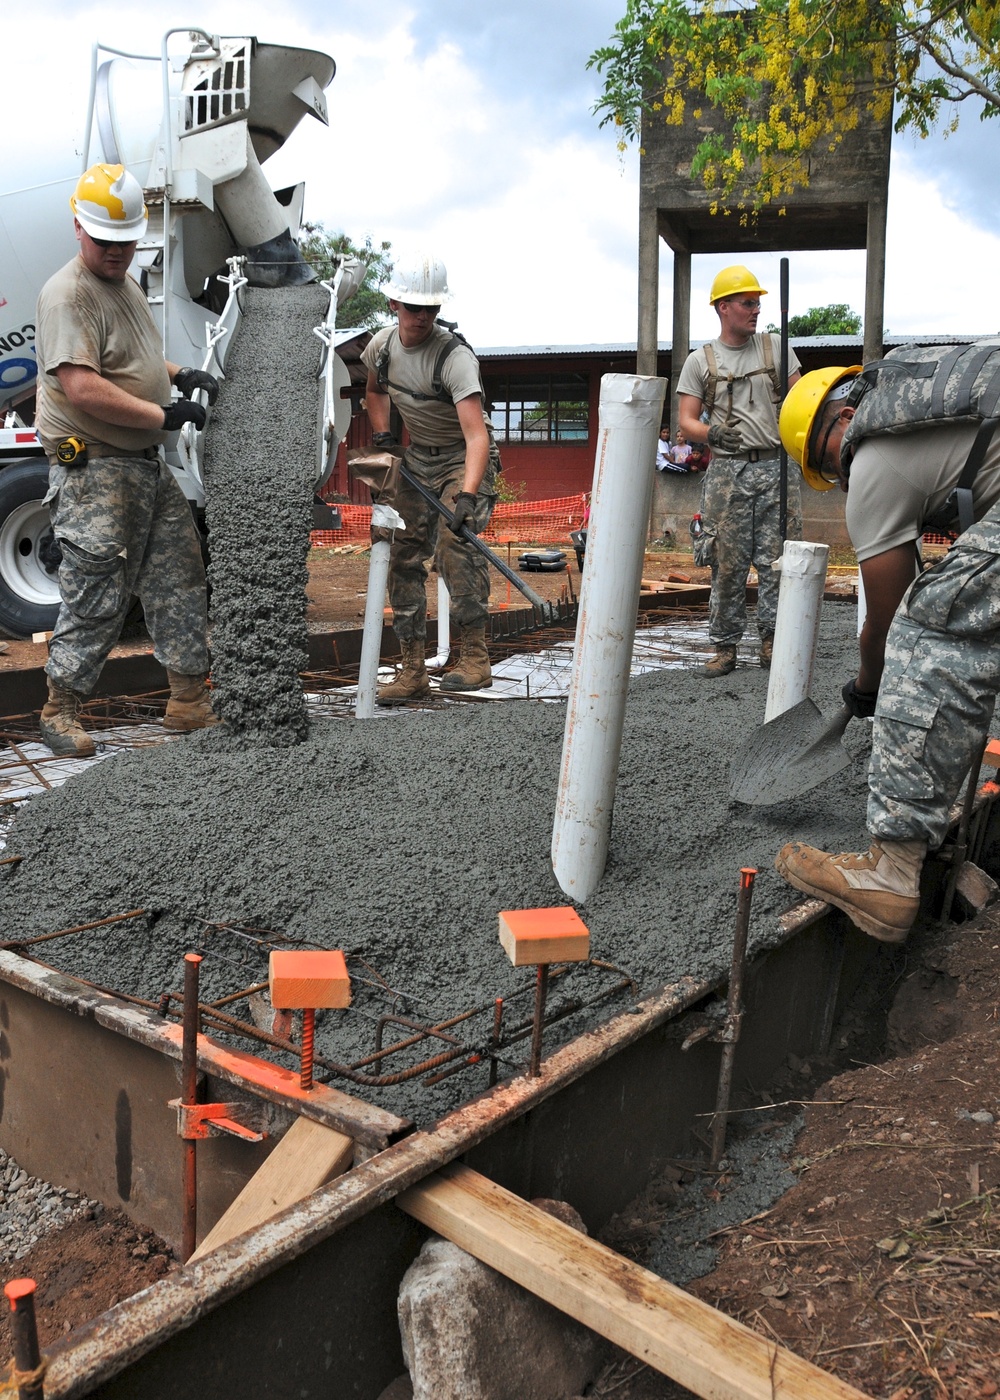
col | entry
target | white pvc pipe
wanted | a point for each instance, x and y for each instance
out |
(630, 411)
(800, 602)
(444, 628)
(383, 518)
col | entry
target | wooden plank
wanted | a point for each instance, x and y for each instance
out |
(308, 1156)
(668, 1329)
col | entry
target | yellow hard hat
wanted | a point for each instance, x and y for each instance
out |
(108, 204)
(804, 400)
(733, 280)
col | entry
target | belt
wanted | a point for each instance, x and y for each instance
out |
(752, 454)
(98, 450)
(436, 451)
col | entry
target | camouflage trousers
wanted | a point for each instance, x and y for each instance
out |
(740, 512)
(126, 530)
(939, 689)
(462, 567)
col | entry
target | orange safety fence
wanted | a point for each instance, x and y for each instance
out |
(513, 522)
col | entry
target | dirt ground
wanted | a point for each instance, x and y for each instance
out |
(882, 1263)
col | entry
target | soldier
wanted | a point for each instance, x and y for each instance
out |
(120, 520)
(899, 481)
(432, 378)
(733, 382)
(938, 692)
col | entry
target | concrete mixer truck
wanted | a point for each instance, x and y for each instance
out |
(193, 123)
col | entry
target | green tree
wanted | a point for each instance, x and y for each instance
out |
(791, 76)
(369, 307)
(836, 319)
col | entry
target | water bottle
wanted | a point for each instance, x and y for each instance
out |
(696, 527)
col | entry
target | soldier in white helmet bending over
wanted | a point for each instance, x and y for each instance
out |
(121, 521)
(432, 378)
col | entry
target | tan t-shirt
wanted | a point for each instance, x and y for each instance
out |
(898, 480)
(754, 401)
(107, 327)
(429, 422)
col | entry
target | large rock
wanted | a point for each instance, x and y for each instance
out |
(471, 1334)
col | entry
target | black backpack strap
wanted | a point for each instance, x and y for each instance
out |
(960, 501)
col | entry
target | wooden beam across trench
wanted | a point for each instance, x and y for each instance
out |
(668, 1329)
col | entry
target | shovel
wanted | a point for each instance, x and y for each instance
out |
(792, 753)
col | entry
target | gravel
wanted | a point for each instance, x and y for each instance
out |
(31, 1208)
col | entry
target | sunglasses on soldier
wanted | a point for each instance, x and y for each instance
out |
(416, 310)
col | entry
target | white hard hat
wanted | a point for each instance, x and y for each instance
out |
(419, 279)
(108, 204)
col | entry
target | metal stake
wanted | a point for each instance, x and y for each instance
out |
(960, 849)
(495, 1037)
(541, 990)
(189, 1094)
(308, 1048)
(29, 1371)
(730, 1033)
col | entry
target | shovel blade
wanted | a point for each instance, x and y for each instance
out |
(790, 754)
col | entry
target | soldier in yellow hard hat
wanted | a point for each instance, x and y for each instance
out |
(121, 522)
(914, 445)
(728, 397)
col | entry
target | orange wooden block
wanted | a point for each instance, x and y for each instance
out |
(530, 936)
(992, 755)
(308, 978)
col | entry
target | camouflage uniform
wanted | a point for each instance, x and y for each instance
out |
(460, 564)
(740, 509)
(939, 688)
(125, 529)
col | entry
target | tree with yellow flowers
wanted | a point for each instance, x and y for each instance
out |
(790, 77)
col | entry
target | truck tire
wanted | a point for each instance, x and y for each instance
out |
(29, 594)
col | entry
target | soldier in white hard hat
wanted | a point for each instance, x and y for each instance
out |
(120, 521)
(431, 376)
(728, 397)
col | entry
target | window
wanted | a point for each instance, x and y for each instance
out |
(538, 407)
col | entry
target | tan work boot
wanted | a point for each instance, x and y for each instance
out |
(60, 723)
(473, 669)
(189, 706)
(412, 681)
(721, 664)
(879, 890)
(766, 652)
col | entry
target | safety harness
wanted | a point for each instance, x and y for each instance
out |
(438, 393)
(731, 380)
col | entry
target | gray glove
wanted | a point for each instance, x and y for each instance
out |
(464, 512)
(189, 381)
(725, 438)
(182, 411)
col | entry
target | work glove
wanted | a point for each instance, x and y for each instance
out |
(725, 438)
(861, 703)
(175, 415)
(384, 441)
(464, 512)
(189, 381)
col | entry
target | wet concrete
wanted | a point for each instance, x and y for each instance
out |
(400, 839)
(259, 473)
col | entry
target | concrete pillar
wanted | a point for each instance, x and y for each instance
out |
(680, 334)
(875, 280)
(649, 292)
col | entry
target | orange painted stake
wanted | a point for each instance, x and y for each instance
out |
(28, 1371)
(189, 1092)
(308, 1048)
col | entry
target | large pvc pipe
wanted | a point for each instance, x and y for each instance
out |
(383, 518)
(631, 407)
(444, 628)
(800, 601)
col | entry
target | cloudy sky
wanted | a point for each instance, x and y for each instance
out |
(466, 129)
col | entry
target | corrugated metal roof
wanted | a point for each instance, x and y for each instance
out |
(827, 342)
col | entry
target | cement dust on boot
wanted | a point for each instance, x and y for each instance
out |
(190, 705)
(721, 664)
(473, 671)
(59, 723)
(878, 889)
(413, 682)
